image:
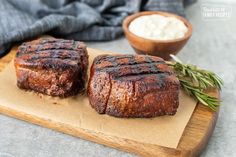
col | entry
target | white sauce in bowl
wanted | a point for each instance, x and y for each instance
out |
(158, 27)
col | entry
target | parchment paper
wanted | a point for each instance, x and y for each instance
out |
(76, 111)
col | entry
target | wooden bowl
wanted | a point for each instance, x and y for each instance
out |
(160, 48)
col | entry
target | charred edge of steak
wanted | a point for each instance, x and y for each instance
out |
(51, 82)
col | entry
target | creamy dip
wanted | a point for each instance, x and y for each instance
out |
(158, 27)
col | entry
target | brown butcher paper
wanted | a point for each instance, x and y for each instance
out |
(76, 112)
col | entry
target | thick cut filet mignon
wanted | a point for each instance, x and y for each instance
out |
(53, 67)
(133, 86)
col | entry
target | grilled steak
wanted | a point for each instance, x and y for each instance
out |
(133, 86)
(54, 67)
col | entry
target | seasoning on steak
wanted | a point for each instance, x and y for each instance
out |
(133, 86)
(53, 67)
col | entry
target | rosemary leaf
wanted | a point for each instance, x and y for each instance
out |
(194, 81)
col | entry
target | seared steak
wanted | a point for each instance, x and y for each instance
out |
(133, 86)
(54, 67)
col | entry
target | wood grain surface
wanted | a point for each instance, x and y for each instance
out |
(193, 141)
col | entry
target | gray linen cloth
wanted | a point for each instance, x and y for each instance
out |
(86, 20)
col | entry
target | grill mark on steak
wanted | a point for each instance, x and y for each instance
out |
(140, 71)
(35, 46)
(54, 63)
(140, 75)
(45, 59)
(62, 56)
(151, 63)
(45, 41)
(160, 83)
(133, 69)
(48, 58)
(113, 58)
(130, 62)
(48, 53)
(30, 48)
(51, 48)
(128, 65)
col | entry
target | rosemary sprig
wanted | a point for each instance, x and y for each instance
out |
(205, 99)
(194, 81)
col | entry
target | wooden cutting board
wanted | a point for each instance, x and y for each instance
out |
(192, 142)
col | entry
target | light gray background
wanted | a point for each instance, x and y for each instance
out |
(212, 46)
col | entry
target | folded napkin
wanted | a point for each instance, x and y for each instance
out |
(87, 20)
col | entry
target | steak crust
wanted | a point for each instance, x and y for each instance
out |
(53, 67)
(133, 86)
